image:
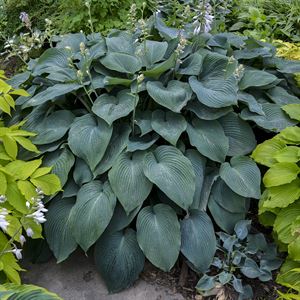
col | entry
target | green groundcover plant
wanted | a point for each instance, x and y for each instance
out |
(149, 133)
(23, 185)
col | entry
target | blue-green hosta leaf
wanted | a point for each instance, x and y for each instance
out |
(281, 173)
(240, 135)
(226, 207)
(92, 212)
(51, 93)
(128, 181)
(70, 188)
(191, 65)
(169, 125)
(82, 172)
(158, 234)
(198, 240)
(119, 259)
(172, 173)
(280, 96)
(122, 62)
(111, 108)
(215, 93)
(62, 161)
(49, 128)
(152, 52)
(251, 102)
(89, 138)
(207, 113)
(143, 121)
(256, 78)
(58, 229)
(209, 139)
(121, 41)
(117, 144)
(141, 142)
(206, 283)
(71, 40)
(166, 32)
(274, 119)
(108, 80)
(174, 97)
(250, 269)
(199, 163)
(242, 176)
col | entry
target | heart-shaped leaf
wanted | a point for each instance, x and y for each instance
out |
(198, 240)
(119, 259)
(92, 212)
(169, 125)
(209, 139)
(175, 96)
(128, 181)
(158, 234)
(173, 173)
(89, 138)
(58, 229)
(242, 176)
(256, 78)
(111, 108)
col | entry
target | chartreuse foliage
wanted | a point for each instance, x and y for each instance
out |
(19, 182)
(146, 136)
(280, 204)
(240, 255)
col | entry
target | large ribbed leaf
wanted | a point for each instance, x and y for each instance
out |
(61, 161)
(89, 138)
(242, 176)
(207, 113)
(142, 142)
(143, 121)
(280, 96)
(128, 181)
(51, 93)
(226, 207)
(82, 172)
(251, 102)
(241, 137)
(49, 128)
(169, 125)
(121, 62)
(58, 229)
(175, 96)
(199, 163)
(191, 65)
(92, 212)
(119, 259)
(274, 119)
(117, 144)
(158, 234)
(198, 240)
(209, 139)
(123, 43)
(111, 108)
(256, 78)
(173, 173)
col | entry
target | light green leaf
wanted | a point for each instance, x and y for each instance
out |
(158, 234)
(92, 212)
(10, 146)
(290, 135)
(264, 152)
(281, 173)
(209, 139)
(26, 144)
(119, 259)
(198, 240)
(288, 154)
(49, 184)
(174, 97)
(169, 125)
(128, 182)
(111, 108)
(89, 138)
(256, 78)
(240, 135)
(58, 229)
(15, 197)
(3, 184)
(172, 173)
(293, 110)
(21, 169)
(122, 62)
(27, 189)
(242, 176)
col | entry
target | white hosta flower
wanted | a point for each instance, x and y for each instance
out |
(2, 198)
(22, 239)
(17, 253)
(29, 232)
(3, 222)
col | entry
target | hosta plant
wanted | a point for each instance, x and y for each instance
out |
(147, 136)
(240, 255)
(23, 185)
(280, 204)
